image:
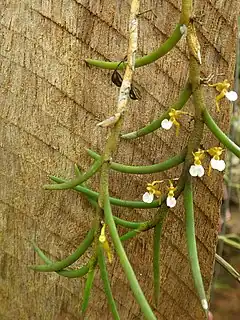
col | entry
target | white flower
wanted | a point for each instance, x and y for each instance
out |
(218, 164)
(196, 170)
(148, 197)
(171, 201)
(231, 95)
(166, 124)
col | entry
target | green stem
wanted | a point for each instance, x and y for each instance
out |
(186, 11)
(156, 252)
(127, 224)
(87, 289)
(156, 124)
(150, 58)
(75, 273)
(80, 179)
(106, 283)
(191, 244)
(234, 273)
(119, 221)
(129, 235)
(65, 273)
(156, 258)
(159, 167)
(193, 145)
(137, 291)
(59, 265)
(115, 201)
(229, 242)
(157, 224)
(219, 134)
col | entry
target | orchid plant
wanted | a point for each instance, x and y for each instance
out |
(161, 194)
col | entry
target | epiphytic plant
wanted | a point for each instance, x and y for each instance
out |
(165, 191)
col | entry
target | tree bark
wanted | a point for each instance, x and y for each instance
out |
(51, 102)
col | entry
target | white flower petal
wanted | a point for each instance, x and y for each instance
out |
(171, 202)
(196, 170)
(200, 170)
(193, 171)
(231, 95)
(166, 124)
(221, 165)
(148, 197)
(214, 163)
(218, 164)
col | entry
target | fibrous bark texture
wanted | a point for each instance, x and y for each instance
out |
(51, 102)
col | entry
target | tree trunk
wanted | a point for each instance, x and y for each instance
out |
(51, 102)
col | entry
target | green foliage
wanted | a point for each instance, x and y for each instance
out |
(191, 158)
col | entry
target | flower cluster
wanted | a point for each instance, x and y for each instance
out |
(153, 190)
(223, 87)
(216, 163)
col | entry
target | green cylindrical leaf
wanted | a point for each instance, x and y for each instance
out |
(191, 244)
(137, 291)
(159, 167)
(106, 283)
(156, 124)
(80, 179)
(87, 289)
(220, 135)
(65, 273)
(59, 265)
(115, 201)
(153, 56)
